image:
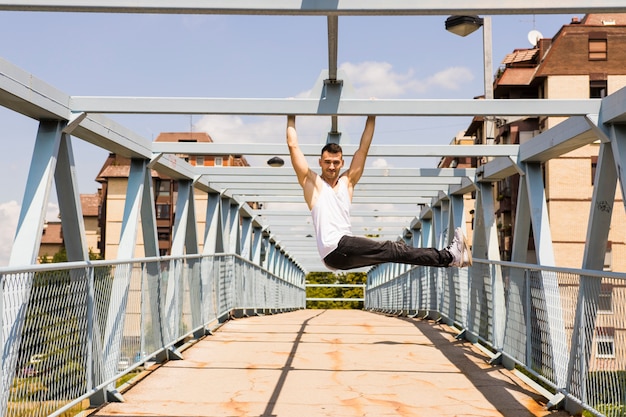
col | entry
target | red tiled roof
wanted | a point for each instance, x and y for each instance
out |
(183, 136)
(52, 233)
(517, 76)
(90, 203)
(520, 55)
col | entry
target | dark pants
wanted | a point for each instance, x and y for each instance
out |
(356, 252)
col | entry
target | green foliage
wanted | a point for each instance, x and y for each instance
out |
(61, 256)
(610, 402)
(335, 292)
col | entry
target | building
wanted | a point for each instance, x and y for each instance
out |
(585, 59)
(114, 179)
(52, 241)
(463, 162)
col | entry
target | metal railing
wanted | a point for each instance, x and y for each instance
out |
(71, 330)
(564, 328)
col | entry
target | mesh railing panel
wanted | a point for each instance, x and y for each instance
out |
(564, 328)
(70, 333)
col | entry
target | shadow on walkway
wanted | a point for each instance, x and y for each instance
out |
(330, 363)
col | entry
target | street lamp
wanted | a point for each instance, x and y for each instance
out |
(275, 162)
(463, 26)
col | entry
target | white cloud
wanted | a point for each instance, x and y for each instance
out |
(9, 216)
(451, 78)
(381, 163)
(378, 79)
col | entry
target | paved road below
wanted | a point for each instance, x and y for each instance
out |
(335, 363)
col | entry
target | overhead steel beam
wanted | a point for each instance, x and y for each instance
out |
(355, 213)
(343, 107)
(290, 182)
(429, 174)
(267, 149)
(320, 7)
(355, 200)
(294, 189)
(498, 169)
(565, 137)
(613, 107)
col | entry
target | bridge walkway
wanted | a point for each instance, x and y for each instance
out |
(339, 363)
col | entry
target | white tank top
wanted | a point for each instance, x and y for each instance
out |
(331, 216)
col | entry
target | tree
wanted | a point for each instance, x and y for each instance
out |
(335, 292)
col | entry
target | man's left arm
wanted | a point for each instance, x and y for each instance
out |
(358, 160)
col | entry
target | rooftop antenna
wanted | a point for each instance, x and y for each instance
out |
(534, 35)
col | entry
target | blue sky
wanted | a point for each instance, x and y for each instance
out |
(402, 57)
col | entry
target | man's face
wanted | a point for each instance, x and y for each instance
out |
(331, 164)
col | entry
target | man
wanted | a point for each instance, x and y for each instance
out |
(329, 197)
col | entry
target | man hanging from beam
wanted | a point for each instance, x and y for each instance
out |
(329, 197)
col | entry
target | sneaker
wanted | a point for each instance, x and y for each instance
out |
(459, 249)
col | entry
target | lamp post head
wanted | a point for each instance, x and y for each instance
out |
(275, 162)
(463, 25)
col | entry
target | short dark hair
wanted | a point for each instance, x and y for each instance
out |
(332, 148)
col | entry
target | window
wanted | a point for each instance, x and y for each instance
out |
(597, 49)
(218, 161)
(163, 187)
(605, 301)
(605, 342)
(200, 160)
(162, 211)
(594, 168)
(597, 88)
(164, 235)
(608, 257)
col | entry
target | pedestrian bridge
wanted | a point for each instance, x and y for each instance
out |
(231, 338)
(72, 332)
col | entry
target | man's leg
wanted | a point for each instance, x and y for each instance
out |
(356, 252)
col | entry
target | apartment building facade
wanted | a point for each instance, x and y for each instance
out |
(586, 58)
(114, 180)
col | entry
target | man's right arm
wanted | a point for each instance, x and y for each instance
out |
(298, 160)
(306, 177)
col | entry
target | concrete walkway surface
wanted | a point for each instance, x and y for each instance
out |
(337, 363)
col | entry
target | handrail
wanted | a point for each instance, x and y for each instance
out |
(561, 326)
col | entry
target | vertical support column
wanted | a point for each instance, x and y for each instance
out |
(456, 214)
(114, 328)
(545, 256)
(271, 256)
(151, 291)
(69, 203)
(234, 243)
(486, 242)
(440, 223)
(26, 247)
(212, 244)
(37, 194)
(185, 234)
(246, 237)
(257, 240)
(519, 299)
(265, 245)
(427, 233)
(225, 220)
(213, 241)
(600, 214)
